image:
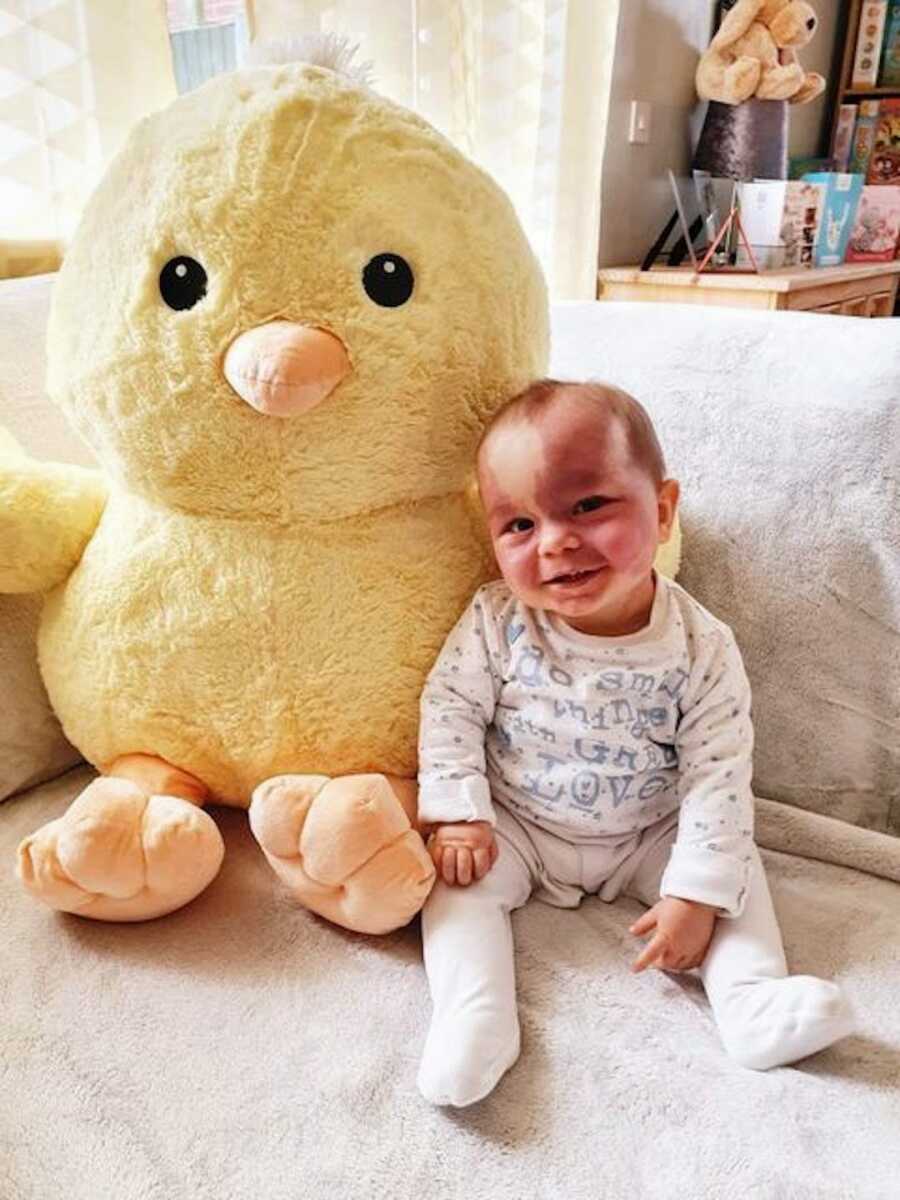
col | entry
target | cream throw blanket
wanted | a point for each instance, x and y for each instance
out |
(243, 1048)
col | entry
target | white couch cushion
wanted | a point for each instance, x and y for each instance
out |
(784, 430)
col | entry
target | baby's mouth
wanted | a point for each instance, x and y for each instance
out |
(572, 578)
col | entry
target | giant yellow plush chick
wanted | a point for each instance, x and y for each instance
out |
(285, 318)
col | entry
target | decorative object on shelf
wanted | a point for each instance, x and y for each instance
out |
(750, 74)
(744, 141)
(838, 216)
(732, 222)
(781, 221)
(754, 54)
(877, 230)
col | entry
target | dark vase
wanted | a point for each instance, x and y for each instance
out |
(744, 141)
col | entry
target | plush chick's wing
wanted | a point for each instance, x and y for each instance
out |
(48, 512)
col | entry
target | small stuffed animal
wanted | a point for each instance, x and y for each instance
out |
(753, 55)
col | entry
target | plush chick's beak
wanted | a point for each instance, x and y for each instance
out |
(282, 368)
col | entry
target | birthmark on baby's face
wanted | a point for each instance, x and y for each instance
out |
(508, 468)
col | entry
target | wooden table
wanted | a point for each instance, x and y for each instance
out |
(855, 289)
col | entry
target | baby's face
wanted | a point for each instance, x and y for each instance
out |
(574, 523)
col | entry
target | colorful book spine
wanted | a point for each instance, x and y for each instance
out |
(864, 137)
(843, 136)
(889, 75)
(872, 18)
(876, 232)
(884, 161)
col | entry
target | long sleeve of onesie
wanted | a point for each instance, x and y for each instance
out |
(457, 706)
(714, 742)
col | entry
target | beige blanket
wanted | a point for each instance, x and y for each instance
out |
(241, 1048)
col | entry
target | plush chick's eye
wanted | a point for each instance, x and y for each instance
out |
(589, 503)
(388, 280)
(518, 525)
(182, 282)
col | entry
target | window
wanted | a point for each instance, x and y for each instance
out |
(207, 38)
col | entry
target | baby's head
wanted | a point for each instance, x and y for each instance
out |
(572, 481)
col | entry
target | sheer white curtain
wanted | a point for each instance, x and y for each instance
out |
(522, 86)
(74, 77)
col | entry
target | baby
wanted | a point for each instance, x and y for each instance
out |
(586, 730)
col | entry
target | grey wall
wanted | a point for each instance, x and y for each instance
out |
(657, 48)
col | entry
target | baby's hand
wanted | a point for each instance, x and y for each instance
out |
(463, 851)
(684, 929)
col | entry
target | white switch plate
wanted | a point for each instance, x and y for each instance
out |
(639, 125)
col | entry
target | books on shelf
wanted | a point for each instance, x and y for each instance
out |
(863, 137)
(869, 36)
(843, 136)
(876, 231)
(842, 193)
(781, 220)
(889, 74)
(876, 57)
(884, 161)
(875, 145)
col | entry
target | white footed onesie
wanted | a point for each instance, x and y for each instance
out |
(608, 766)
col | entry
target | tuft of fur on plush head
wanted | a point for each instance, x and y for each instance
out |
(334, 51)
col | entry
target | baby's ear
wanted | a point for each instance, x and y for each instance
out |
(472, 498)
(667, 500)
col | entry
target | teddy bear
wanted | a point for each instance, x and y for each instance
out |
(753, 54)
(287, 314)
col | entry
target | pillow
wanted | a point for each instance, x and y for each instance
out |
(32, 745)
(784, 431)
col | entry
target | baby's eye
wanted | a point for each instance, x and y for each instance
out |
(518, 525)
(589, 503)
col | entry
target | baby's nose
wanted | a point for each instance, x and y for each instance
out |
(557, 536)
(282, 368)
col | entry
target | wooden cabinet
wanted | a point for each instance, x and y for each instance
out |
(854, 290)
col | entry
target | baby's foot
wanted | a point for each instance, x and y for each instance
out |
(465, 1059)
(772, 1022)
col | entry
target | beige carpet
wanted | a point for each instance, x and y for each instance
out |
(243, 1049)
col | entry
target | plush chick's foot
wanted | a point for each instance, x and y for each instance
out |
(772, 1022)
(344, 847)
(119, 854)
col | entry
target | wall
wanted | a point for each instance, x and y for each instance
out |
(657, 47)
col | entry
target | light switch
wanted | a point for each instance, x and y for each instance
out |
(639, 126)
